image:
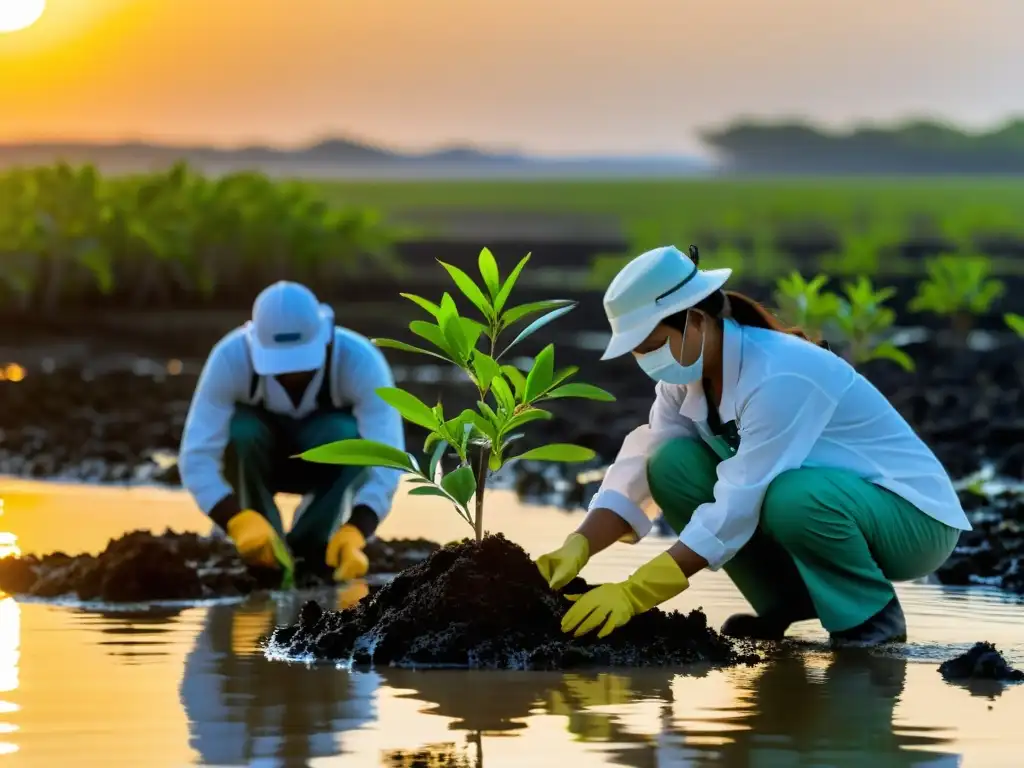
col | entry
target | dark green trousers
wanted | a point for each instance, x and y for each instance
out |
(258, 464)
(829, 544)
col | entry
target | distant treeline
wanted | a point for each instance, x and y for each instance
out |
(920, 147)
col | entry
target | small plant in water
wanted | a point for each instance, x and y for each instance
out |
(480, 439)
(958, 287)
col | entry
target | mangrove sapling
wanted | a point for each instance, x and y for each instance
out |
(805, 304)
(480, 439)
(863, 324)
(960, 288)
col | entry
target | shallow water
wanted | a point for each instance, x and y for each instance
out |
(190, 685)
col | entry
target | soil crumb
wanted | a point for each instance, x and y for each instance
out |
(141, 566)
(981, 662)
(485, 605)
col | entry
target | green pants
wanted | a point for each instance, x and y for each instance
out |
(258, 464)
(829, 543)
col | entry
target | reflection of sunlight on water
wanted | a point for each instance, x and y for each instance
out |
(10, 641)
(8, 541)
(11, 372)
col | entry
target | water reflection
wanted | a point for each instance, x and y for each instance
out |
(10, 642)
(836, 710)
(242, 708)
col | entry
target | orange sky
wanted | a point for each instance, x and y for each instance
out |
(552, 76)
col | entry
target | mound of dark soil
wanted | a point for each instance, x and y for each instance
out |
(141, 566)
(981, 662)
(485, 605)
(992, 553)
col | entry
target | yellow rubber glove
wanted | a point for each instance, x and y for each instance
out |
(615, 604)
(345, 554)
(258, 542)
(564, 564)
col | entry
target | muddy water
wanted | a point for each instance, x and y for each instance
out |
(181, 686)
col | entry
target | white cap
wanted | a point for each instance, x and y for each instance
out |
(651, 287)
(289, 330)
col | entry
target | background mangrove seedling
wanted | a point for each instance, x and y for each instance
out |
(857, 319)
(480, 439)
(959, 287)
(805, 303)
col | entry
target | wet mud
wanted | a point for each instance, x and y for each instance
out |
(484, 605)
(992, 554)
(141, 566)
(982, 662)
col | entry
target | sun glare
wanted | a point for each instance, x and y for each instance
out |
(20, 14)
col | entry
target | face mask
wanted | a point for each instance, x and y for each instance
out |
(660, 365)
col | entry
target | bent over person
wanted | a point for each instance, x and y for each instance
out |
(287, 381)
(772, 458)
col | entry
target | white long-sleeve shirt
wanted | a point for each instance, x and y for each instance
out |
(794, 405)
(359, 369)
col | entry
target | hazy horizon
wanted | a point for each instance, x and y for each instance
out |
(569, 79)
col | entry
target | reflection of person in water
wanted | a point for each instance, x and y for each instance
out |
(242, 707)
(794, 717)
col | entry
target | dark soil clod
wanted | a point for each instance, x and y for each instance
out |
(485, 605)
(981, 662)
(141, 566)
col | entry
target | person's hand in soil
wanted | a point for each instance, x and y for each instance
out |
(257, 542)
(346, 555)
(564, 564)
(610, 606)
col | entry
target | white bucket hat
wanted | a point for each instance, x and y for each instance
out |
(289, 330)
(651, 287)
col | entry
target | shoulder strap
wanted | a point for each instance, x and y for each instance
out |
(325, 397)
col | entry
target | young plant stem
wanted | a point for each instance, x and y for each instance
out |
(481, 480)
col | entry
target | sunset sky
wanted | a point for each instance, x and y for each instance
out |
(547, 76)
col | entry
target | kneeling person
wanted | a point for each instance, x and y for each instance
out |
(287, 381)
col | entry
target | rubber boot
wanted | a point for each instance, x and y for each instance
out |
(889, 625)
(746, 626)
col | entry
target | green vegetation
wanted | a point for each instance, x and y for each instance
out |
(480, 439)
(856, 320)
(67, 232)
(1015, 322)
(958, 287)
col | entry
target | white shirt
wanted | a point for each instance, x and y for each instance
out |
(359, 370)
(795, 404)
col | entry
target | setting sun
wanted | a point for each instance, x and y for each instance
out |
(20, 14)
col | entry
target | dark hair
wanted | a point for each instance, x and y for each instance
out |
(743, 309)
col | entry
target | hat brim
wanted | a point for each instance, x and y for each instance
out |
(623, 343)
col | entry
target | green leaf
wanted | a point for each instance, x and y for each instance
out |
(489, 272)
(502, 394)
(515, 376)
(401, 345)
(488, 412)
(515, 314)
(533, 414)
(461, 484)
(586, 391)
(429, 306)
(485, 426)
(537, 324)
(358, 453)
(411, 407)
(564, 452)
(889, 351)
(430, 490)
(435, 459)
(431, 440)
(506, 289)
(469, 289)
(1015, 322)
(433, 334)
(541, 373)
(486, 368)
